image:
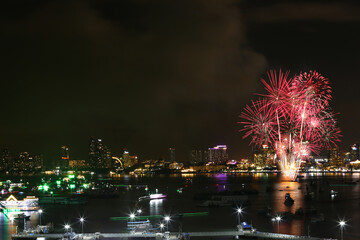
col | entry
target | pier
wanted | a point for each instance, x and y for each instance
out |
(174, 235)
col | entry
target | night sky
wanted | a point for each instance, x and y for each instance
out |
(147, 75)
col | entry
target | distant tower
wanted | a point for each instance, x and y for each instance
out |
(126, 159)
(65, 157)
(5, 159)
(196, 157)
(335, 157)
(354, 152)
(92, 156)
(99, 154)
(172, 154)
(65, 153)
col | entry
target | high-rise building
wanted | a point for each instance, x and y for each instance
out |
(65, 153)
(99, 154)
(27, 162)
(5, 159)
(65, 157)
(218, 154)
(196, 157)
(335, 157)
(128, 160)
(354, 152)
(172, 154)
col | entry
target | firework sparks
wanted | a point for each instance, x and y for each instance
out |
(293, 117)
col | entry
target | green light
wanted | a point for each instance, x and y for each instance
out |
(195, 214)
(40, 187)
(46, 188)
(72, 186)
(71, 176)
(11, 210)
(85, 185)
(58, 182)
(137, 217)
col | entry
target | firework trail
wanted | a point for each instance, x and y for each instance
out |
(293, 117)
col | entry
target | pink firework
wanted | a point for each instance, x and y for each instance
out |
(293, 117)
(259, 123)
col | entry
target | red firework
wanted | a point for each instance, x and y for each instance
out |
(259, 123)
(294, 115)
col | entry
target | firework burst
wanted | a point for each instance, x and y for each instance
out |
(293, 117)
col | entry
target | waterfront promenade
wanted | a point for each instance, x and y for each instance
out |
(243, 235)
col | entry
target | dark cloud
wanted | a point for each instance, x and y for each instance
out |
(284, 11)
(141, 76)
(150, 75)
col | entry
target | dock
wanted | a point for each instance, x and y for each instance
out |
(242, 234)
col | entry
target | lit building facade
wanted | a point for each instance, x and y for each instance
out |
(129, 160)
(196, 157)
(5, 159)
(99, 154)
(65, 157)
(264, 157)
(172, 154)
(218, 154)
(336, 158)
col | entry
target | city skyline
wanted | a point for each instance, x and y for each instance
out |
(120, 72)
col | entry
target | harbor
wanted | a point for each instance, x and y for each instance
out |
(272, 205)
(168, 235)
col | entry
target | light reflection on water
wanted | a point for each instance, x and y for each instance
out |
(156, 206)
(271, 192)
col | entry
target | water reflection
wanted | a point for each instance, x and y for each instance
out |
(271, 190)
(156, 206)
(289, 224)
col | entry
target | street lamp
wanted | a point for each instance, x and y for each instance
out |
(167, 219)
(132, 216)
(67, 226)
(273, 221)
(278, 219)
(82, 224)
(161, 227)
(342, 224)
(239, 211)
(40, 212)
(139, 211)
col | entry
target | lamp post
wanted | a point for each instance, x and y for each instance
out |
(40, 212)
(167, 219)
(82, 225)
(161, 227)
(342, 224)
(273, 221)
(67, 226)
(239, 211)
(278, 219)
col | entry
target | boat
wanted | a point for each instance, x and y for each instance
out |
(48, 228)
(299, 211)
(332, 192)
(29, 203)
(318, 218)
(139, 226)
(22, 217)
(153, 196)
(288, 200)
(69, 236)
